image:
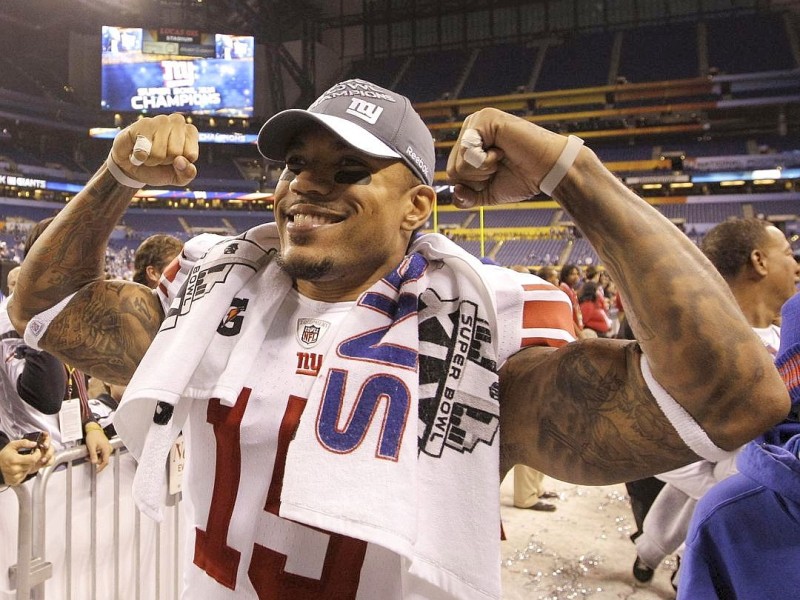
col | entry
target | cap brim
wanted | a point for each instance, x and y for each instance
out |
(278, 132)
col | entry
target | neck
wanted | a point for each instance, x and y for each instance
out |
(331, 291)
(758, 312)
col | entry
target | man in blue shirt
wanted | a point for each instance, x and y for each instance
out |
(744, 539)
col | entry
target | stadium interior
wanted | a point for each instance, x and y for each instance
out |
(694, 104)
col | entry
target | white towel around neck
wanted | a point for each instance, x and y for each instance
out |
(421, 485)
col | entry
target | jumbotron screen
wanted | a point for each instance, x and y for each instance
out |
(176, 70)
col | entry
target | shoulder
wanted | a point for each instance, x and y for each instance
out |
(530, 311)
(725, 503)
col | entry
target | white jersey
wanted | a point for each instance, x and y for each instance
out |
(236, 521)
(240, 547)
(771, 337)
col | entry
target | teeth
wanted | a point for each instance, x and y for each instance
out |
(310, 220)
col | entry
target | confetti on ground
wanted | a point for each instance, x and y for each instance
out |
(582, 550)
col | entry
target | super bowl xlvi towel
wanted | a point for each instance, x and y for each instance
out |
(420, 347)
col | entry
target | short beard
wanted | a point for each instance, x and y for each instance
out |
(305, 271)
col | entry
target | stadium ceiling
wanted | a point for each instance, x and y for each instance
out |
(288, 18)
(235, 16)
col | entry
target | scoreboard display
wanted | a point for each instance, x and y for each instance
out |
(168, 70)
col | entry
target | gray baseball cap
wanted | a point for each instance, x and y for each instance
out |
(367, 117)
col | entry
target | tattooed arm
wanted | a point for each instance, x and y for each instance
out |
(599, 424)
(107, 326)
(583, 412)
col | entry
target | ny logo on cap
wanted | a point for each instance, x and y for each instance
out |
(367, 111)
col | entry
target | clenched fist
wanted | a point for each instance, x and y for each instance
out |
(158, 150)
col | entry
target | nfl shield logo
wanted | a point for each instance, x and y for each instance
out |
(310, 331)
(310, 334)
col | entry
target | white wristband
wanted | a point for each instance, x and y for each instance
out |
(118, 174)
(690, 431)
(38, 324)
(564, 162)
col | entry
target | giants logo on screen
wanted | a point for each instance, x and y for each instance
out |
(178, 73)
(178, 90)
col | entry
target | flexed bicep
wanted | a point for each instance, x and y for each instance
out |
(105, 329)
(584, 413)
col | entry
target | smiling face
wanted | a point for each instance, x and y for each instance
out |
(345, 218)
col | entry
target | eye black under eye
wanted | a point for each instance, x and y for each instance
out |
(351, 177)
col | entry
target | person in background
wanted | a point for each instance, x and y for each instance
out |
(595, 275)
(422, 376)
(641, 492)
(756, 261)
(612, 301)
(529, 491)
(549, 274)
(569, 279)
(607, 285)
(593, 310)
(744, 536)
(152, 256)
(11, 279)
(592, 273)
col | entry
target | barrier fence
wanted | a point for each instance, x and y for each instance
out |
(72, 533)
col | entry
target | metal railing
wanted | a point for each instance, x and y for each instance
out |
(40, 560)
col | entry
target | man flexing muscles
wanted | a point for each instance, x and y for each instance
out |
(403, 355)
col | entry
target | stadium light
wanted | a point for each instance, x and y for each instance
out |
(767, 174)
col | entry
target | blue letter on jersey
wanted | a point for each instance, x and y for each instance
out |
(377, 388)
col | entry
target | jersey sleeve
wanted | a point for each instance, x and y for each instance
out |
(530, 312)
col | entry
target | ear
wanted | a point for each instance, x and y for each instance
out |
(758, 261)
(152, 274)
(419, 207)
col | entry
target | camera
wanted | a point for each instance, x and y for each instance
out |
(34, 436)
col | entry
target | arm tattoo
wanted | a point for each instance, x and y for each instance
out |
(108, 325)
(72, 250)
(585, 414)
(106, 329)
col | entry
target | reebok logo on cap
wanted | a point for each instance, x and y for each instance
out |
(417, 160)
